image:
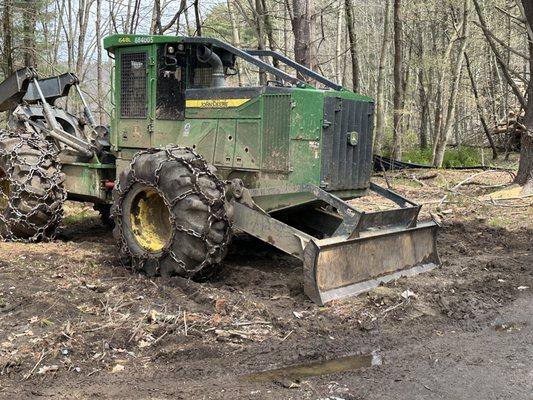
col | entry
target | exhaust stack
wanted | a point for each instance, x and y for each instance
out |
(206, 55)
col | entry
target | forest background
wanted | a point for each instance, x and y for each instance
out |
(451, 78)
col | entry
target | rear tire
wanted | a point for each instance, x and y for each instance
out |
(170, 214)
(31, 188)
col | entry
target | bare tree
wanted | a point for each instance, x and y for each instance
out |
(269, 29)
(7, 28)
(480, 108)
(99, 74)
(444, 134)
(424, 98)
(398, 82)
(155, 26)
(525, 168)
(498, 56)
(235, 35)
(197, 18)
(380, 106)
(175, 19)
(301, 28)
(83, 15)
(338, 43)
(352, 39)
(28, 20)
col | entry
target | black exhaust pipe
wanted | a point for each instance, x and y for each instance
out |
(206, 55)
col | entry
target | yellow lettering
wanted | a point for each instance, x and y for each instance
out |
(215, 103)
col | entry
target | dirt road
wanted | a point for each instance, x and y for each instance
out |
(75, 324)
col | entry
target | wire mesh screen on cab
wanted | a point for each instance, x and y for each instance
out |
(202, 77)
(133, 85)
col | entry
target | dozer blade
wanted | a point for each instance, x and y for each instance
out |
(335, 268)
(356, 251)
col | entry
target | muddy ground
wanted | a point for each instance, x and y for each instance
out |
(75, 324)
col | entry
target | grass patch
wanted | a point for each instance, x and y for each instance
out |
(499, 222)
(79, 216)
(456, 157)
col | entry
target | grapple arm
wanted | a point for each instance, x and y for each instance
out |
(13, 89)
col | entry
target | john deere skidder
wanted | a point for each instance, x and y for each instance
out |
(189, 159)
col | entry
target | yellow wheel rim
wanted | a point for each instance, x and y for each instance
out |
(4, 190)
(150, 221)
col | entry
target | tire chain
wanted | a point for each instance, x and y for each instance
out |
(198, 167)
(18, 189)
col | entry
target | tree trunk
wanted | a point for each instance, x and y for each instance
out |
(197, 18)
(444, 136)
(353, 45)
(338, 43)
(28, 21)
(260, 32)
(398, 82)
(155, 26)
(83, 21)
(499, 58)
(525, 168)
(480, 109)
(406, 113)
(424, 103)
(301, 28)
(269, 30)
(135, 16)
(8, 38)
(380, 96)
(99, 75)
(235, 36)
(187, 23)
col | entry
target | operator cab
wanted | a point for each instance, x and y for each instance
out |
(181, 67)
(156, 74)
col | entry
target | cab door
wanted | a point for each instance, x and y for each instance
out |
(135, 110)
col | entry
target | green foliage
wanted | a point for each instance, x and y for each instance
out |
(456, 157)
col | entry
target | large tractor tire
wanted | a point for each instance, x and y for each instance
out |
(31, 188)
(170, 214)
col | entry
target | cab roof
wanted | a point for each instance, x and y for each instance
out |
(113, 42)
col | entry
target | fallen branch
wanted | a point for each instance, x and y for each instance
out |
(287, 335)
(394, 307)
(511, 205)
(160, 337)
(43, 353)
(414, 178)
(454, 189)
(252, 323)
(516, 197)
(428, 176)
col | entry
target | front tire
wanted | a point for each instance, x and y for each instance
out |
(170, 214)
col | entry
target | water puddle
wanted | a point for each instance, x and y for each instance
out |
(509, 326)
(317, 368)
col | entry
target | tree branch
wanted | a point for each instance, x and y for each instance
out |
(521, 20)
(498, 56)
(502, 43)
(165, 28)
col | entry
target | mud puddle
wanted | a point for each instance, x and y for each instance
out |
(317, 368)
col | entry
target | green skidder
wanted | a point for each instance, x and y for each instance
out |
(189, 159)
